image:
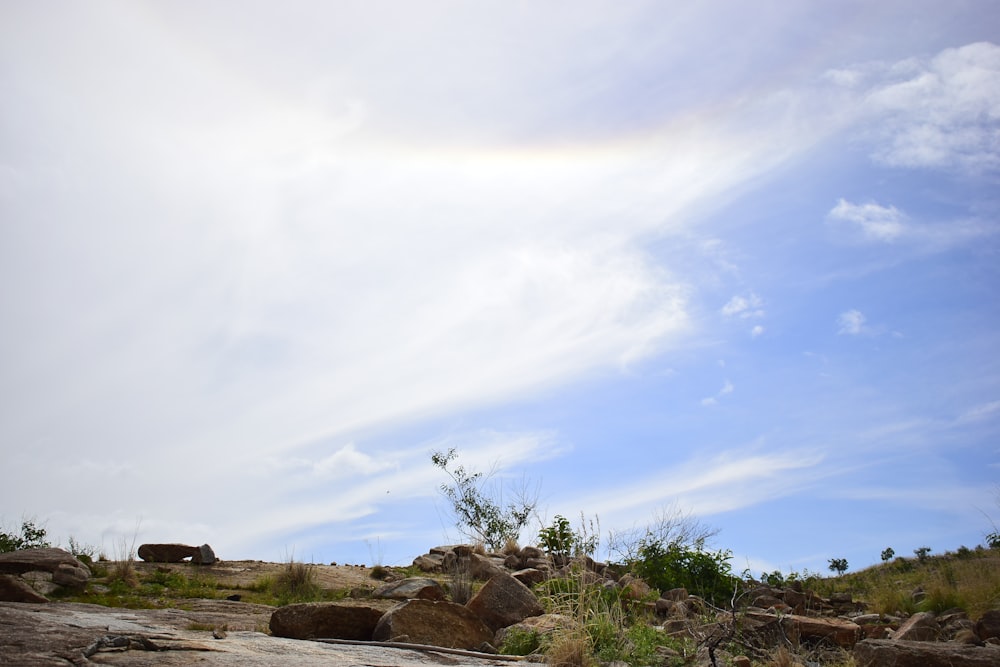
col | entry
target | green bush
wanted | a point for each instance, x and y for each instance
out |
(707, 574)
(30, 537)
(557, 539)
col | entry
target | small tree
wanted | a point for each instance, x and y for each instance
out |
(838, 565)
(887, 554)
(479, 514)
(922, 553)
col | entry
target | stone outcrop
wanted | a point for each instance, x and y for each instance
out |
(349, 619)
(411, 588)
(438, 623)
(901, 653)
(176, 553)
(64, 568)
(504, 601)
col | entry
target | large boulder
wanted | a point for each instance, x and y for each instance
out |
(809, 629)
(66, 570)
(329, 620)
(438, 623)
(13, 589)
(882, 652)
(167, 553)
(504, 601)
(411, 588)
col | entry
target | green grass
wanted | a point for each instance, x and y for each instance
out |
(968, 579)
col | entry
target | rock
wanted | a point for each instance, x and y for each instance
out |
(65, 568)
(544, 625)
(204, 555)
(882, 652)
(529, 576)
(167, 553)
(438, 623)
(921, 627)
(633, 587)
(675, 594)
(484, 568)
(989, 625)
(741, 661)
(814, 629)
(504, 601)
(13, 589)
(412, 588)
(58, 634)
(329, 620)
(530, 552)
(429, 562)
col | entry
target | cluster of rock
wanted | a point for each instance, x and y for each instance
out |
(30, 575)
(416, 610)
(795, 616)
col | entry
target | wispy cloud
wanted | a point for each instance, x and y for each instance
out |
(726, 389)
(876, 222)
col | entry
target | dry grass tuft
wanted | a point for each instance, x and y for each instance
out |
(570, 649)
(511, 547)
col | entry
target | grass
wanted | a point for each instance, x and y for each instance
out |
(968, 579)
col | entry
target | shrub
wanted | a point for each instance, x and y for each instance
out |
(887, 554)
(707, 574)
(520, 642)
(922, 553)
(30, 537)
(557, 539)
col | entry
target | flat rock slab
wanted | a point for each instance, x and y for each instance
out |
(59, 633)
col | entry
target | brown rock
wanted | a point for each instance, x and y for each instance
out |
(13, 589)
(546, 624)
(812, 629)
(65, 568)
(429, 562)
(883, 652)
(675, 594)
(504, 601)
(167, 553)
(411, 588)
(989, 625)
(921, 627)
(329, 620)
(484, 568)
(438, 623)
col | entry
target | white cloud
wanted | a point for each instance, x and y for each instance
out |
(852, 323)
(758, 330)
(981, 412)
(876, 222)
(748, 306)
(942, 112)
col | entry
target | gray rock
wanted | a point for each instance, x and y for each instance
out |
(921, 627)
(65, 568)
(411, 588)
(882, 652)
(204, 555)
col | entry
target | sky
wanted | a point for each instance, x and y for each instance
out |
(737, 260)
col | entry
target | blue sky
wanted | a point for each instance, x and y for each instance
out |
(258, 263)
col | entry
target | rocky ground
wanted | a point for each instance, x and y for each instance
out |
(81, 634)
